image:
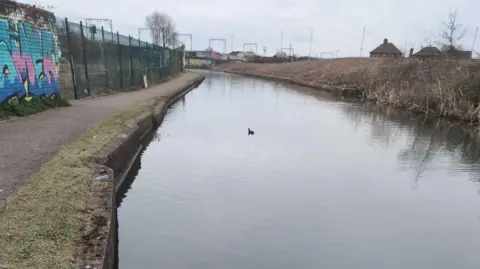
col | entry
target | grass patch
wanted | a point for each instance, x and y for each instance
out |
(32, 106)
(43, 221)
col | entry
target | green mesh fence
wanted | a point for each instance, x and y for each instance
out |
(102, 61)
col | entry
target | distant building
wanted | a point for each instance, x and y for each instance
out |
(427, 53)
(240, 56)
(200, 58)
(233, 56)
(386, 50)
(203, 54)
(246, 56)
(435, 53)
(459, 54)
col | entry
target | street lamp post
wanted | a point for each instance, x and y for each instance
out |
(281, 39)
(311, 40)
(474, 39)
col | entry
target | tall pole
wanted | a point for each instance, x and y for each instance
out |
(281, 40)
(363, 37)
(474, 38)
(311, 39)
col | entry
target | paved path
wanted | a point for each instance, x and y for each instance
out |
(27, 143)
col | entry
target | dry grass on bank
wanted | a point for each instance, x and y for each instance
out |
(43, 222)
(440, 88)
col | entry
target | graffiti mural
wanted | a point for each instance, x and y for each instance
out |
(29, 54)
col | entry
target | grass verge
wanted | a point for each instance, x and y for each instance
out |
(43, 221)
(35, 105)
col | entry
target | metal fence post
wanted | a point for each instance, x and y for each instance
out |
(120, 60)
(70, 59)
(84, 54)
(154, 63)
(151, 62)
(132, 73)
(146, 59)
(105, 64)
(169, 62)
(160, 63)
(141, 57)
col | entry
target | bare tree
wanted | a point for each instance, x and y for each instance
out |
(452, 33)
(43, 6)
(162, 29)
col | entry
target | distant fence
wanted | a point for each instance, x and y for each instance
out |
(97, 61)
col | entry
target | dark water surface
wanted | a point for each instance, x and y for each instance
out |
(323, 183)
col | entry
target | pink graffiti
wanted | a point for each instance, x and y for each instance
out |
(49, 66)
(24, 62)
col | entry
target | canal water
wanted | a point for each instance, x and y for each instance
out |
(323, 183)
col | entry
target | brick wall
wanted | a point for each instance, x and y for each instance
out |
(29, 52)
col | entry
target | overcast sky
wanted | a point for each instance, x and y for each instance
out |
(337, 25)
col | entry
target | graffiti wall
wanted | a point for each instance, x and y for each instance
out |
(199, 62)
(29, 52)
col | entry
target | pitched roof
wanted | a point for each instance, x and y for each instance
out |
(463, 54)
(428, 51)
(234, 53)
(386, 48)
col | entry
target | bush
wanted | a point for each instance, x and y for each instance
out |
(32, 106)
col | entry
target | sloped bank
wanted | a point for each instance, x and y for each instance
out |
(437, 88)
(62, 217)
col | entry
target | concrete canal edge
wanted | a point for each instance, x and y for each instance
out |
(111, 165)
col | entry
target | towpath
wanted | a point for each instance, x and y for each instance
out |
(27, 143)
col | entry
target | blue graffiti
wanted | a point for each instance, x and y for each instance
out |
(28, 57)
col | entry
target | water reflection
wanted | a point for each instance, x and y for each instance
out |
(323, 183)
(428, 140)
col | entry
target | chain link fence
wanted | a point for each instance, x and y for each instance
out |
(101, 61)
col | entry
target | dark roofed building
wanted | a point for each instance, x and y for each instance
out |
(460, 54)
(428, 53)
(386, 50)
(435, 53)
(234, 53)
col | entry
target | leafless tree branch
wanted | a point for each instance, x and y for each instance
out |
(452, 33)
(162, 29)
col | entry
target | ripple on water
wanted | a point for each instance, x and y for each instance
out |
(323, 183)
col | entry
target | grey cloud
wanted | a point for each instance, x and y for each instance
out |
(337, 24)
